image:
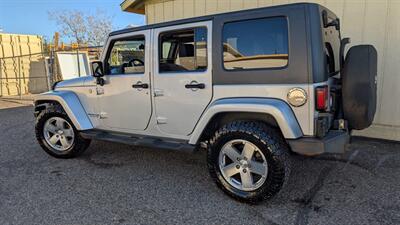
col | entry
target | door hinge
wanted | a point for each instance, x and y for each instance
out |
(158, 93)
(99, 90)
(95, 115)
(103, 115)
(161, 120)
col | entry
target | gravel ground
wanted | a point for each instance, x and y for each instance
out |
(119, 184)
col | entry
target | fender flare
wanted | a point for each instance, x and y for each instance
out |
(72, 106)
(278, 109)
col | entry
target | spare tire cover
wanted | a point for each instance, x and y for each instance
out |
(359, 86)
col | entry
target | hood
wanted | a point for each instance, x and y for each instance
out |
(75, 82)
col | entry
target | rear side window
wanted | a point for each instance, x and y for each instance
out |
(255, 44)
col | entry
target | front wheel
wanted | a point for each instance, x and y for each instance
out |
(248, 160)
(57, 135)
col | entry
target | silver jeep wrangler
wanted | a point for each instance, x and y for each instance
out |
(251, 87)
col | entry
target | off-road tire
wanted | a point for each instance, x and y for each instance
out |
(79, 145)
(359, 85)
(269, 140)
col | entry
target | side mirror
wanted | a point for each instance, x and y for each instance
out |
(98, 72)
(97, 69)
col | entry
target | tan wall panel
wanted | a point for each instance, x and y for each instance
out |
(18, 73)
(150, 13)
(211, 7)
(168, 10)
(390, 82)
(178, 9)
(353, 20)
(188, 8)
(223, 6)
(321, 2)
(375, 17)
(263, 3)
(199, 7)
(159, 12)
(279, 2)
(336, 6)
(235, 5)
(248, 4)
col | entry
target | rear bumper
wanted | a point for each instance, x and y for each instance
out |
(334, 142)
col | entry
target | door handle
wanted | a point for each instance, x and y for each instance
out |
(195, 86)
(140, 85)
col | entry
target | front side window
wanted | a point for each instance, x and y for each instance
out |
(127, 56)
(183, 50)
(255, 44)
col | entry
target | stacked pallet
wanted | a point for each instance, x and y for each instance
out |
(22, 65)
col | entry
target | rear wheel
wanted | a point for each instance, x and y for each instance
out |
(57, 135)
(248, 160)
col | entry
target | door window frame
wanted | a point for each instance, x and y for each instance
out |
(110, 46)
(160, 48)
(208, 25)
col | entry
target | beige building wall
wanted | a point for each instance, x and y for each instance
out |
(374, 22)
(21, 75)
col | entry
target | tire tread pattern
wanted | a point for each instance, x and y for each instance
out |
(272, 139)
(52, 110)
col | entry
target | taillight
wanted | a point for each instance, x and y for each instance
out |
(322, 98)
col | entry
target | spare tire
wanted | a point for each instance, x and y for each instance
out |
(359, 86)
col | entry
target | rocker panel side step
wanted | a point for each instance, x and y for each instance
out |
(138, 140)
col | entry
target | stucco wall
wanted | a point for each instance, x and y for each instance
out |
(375, 22)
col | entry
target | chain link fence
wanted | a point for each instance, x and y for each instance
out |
(25, 75)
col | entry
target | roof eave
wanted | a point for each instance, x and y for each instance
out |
(135, 6)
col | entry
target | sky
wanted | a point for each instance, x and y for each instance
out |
(31, 16)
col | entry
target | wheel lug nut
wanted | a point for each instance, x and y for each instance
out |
(244, 170)
(237, 166)
(238, 159)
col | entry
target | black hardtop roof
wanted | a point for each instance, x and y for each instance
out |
(210, 17)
